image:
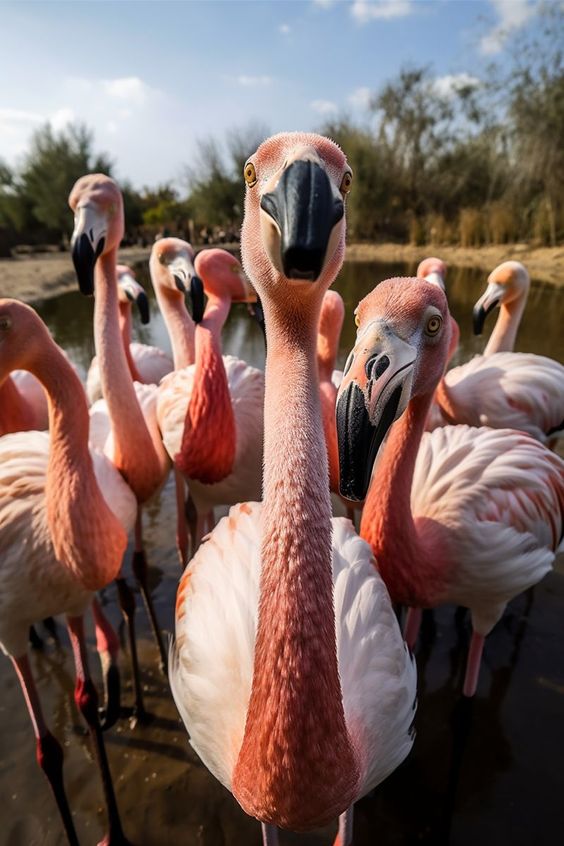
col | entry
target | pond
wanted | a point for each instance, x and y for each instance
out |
(487, 770)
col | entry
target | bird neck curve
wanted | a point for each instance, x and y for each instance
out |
(506, 326)
(179, 324)
(125, 330)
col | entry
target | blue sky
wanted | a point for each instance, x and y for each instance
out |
(152, 77)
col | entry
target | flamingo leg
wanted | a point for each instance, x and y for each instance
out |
(191, 516)
(48, 750)
(139, 566)
(107, 645)
(345, 833)
(181, 518)
(269, 834)
(127, 605)
(412, 625)
(86, 700)
(473, 664)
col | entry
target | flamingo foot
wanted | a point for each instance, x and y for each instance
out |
(412, 625)
(127, 605)
(139, 566)
(473, 664)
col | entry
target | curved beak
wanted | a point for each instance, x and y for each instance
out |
(300, 217)
(87, 244)
(374, 392)
(136, 294)
(187, 282)
(491, 298)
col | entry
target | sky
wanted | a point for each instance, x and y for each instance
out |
(151, 78)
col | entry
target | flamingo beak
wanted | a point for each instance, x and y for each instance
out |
(435, 278)
(187, 282)
(375, 390)
(87, 244)
(299, 217)
(135, 293)
(491, 298)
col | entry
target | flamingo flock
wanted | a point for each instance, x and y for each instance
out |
(288, 667)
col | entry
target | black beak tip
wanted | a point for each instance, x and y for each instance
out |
(478, 319)
(143, 306)
(179, 282)
(84, 260)
(197, 297)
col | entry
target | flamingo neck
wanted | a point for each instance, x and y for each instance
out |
(297, 767)
(209, 439)
(179, 324)
(16, 413)
(409, 561)
(326, 356)
(125, 330)
(328, 397)
(134, 453)
(87, 537)
(505, 330)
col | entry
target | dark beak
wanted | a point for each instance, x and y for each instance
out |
(84, 258)
(479, 314)
(143, 306)
(197, 299)
(305, 208)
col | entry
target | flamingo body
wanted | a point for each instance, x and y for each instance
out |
(151, 364)
(211, 666)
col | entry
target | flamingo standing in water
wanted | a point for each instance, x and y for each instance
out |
(64, 516)
(470, 516)
(303, 699)
(147, 364)
(210, 413)
(128, 412)
(500, 388)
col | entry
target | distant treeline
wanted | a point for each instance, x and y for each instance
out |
(449, 161)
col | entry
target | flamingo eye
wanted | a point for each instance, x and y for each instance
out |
(250, 174)
(433, 325)
(5, 323)
(356, 320)
(346, 182)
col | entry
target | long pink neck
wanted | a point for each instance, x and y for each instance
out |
(16, 414)
(209, 438)
(505, 330)
(326, 358)
(134, 452)
(179, 324)
(296, 766)
(411, 564)
(125, 329)
(86, 535)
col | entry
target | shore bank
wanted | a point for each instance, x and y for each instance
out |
(48, 275)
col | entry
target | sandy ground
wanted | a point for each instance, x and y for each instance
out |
(48, 275)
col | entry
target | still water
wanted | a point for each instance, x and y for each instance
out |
(486, 771)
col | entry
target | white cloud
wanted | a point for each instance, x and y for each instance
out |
(61, 118)
(10, 116)
(512, 14)
(243, 79)
(324, 107)
(129, 88)
(285, 29)
(360, 98)
(365, 11)
(448, 85)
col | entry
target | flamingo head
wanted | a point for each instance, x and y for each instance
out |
(508, 283)
(293, 234)
(433, 270)
(222, 275)
(21, 335)
(402, 344)
(130, 291)
(174, 274)
(99, 225)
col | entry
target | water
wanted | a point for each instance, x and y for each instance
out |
(487, 770)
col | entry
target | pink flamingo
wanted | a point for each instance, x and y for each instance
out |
(500, 388)
(211, 412)
(303, 699)
(147, 364)
(127, 415)
(458, 515)
(64, 516)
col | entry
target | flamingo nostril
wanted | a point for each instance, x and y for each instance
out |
(375, 366)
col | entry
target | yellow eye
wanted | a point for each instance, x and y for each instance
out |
(433, 325)
(357, 320)
(346, 182)
(250, 174)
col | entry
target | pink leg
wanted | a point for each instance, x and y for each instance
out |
(139, 566)
(473, 665)
(107, 644)
(412, 625)
(181, 528)
(345, 833)
(86, 700)
(48, 750)
(269, 835)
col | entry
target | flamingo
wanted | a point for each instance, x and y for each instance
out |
(288, 667)
(471, 516)
(147, 364)
(500, 389)
(211, 412)
(64, 516)
(123, 424)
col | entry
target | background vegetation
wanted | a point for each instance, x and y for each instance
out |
(470, 164)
